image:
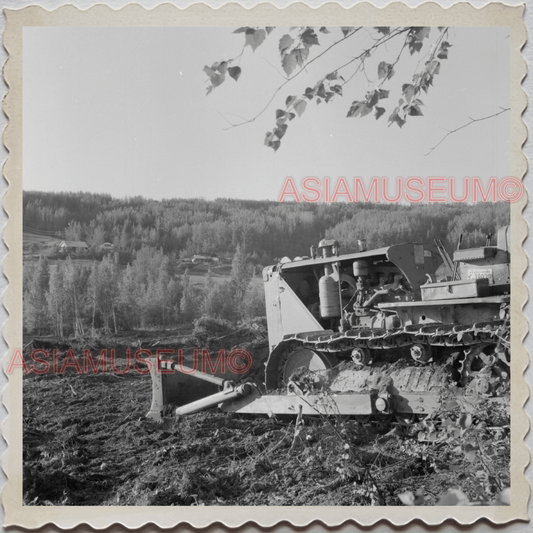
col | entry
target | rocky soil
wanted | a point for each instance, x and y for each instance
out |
(87, 442)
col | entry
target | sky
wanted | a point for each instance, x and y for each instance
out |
(124, 111)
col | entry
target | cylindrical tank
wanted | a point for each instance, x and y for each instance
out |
(328, 290)
(360, 268)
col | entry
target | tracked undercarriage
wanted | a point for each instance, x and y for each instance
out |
(380, 335)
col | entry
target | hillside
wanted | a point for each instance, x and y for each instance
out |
(141, 263)
(268, 230)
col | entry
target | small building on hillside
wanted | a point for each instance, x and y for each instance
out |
(72, 246)
(107, 247)
(208, 259)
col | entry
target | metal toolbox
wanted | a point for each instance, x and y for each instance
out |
(448, 290)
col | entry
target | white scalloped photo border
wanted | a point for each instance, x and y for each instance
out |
(429, 14)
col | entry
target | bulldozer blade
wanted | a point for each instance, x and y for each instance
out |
(176, 385)
(176, 389)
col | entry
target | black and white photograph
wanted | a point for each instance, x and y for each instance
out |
(268, 266)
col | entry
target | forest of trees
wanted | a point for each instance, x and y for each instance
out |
(67, 297)
(267, 229)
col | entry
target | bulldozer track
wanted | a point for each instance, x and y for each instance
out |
(389, 346)
(433, 335)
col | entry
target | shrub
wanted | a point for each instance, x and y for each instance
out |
(206, 327)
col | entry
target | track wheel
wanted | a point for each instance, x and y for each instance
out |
(421, 353)
(362, 419)
(282, 363)
(383, 421)
(361, 356)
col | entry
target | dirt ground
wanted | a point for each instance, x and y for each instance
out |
(87, 442)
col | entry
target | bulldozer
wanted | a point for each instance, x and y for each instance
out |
(382, 335)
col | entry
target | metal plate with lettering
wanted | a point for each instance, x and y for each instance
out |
(475, 273)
